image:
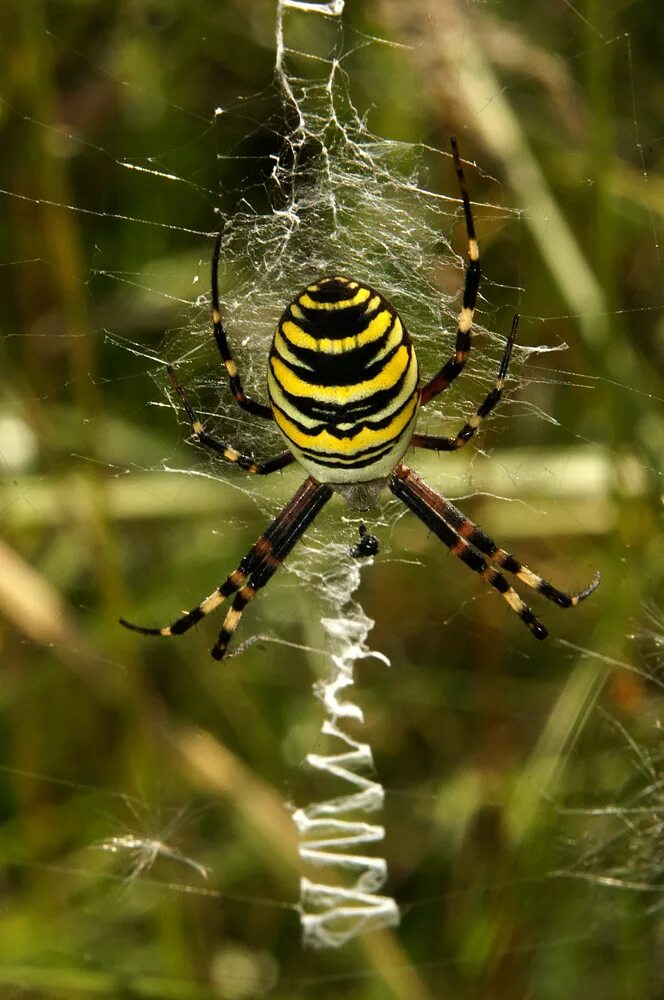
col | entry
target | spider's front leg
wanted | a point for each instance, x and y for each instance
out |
(459, 534)
(255, 570)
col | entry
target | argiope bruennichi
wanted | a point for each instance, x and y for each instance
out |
(344, 390)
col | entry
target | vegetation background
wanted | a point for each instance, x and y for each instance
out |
(524, 805)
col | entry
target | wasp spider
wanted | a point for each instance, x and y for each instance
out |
(344, 390)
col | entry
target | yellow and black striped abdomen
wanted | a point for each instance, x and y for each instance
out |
(343, 381)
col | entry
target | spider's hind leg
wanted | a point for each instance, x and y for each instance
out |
(221, 340)
(491, 400)
(453, 368)
(245, 462)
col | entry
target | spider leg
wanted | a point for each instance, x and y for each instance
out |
(245, 462)
(430, 507)
(456, 363)
(434, 443)
(481, 541)
(304, 512)
(239, 395)
(256, 568)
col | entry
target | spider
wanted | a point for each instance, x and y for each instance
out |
(344, 390)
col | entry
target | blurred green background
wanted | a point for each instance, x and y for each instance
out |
(524, 799)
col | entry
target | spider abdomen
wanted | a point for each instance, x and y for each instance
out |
(343, 381)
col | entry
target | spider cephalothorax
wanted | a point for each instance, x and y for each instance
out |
(344, 391)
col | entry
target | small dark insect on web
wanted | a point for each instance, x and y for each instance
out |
(367, 545)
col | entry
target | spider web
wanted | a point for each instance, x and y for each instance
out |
(333, 195)
(337, 193)
(338, 196)
(331, 190)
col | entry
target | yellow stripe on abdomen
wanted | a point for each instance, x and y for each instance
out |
(342, 395)
(360, 296)
(374, 330)
(325, 443)
(289, 406)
